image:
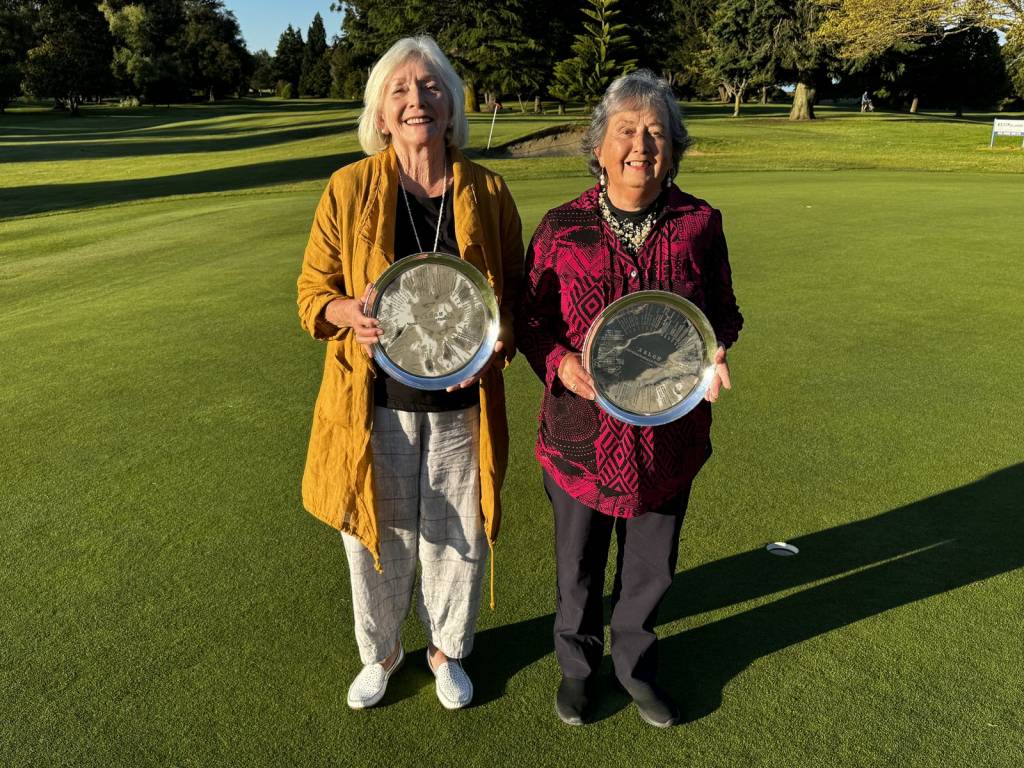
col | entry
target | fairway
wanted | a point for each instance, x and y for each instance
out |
(167, 601)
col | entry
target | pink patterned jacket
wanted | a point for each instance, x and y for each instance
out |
(575, 268)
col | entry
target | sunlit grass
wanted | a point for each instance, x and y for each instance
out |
(167, 601)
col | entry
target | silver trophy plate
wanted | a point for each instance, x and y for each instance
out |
(652, 357)
(440, 320)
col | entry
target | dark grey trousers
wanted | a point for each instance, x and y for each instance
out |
(648, 548)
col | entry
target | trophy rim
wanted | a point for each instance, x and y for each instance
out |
(483, 353)
(700, 323)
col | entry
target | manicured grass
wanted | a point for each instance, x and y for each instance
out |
(168, 602)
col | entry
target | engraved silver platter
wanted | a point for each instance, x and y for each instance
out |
(652, 357)
(440, 320)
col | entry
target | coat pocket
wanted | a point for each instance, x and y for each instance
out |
(340, 356)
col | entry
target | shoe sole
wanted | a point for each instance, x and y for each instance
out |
(383, 689)
(449, 704)
(655, 723)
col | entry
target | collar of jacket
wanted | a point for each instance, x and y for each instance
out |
(377, 226)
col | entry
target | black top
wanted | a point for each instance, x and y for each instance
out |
(621, 215)
(387, 392)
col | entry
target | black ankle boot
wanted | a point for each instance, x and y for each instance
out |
(654, 705)
(572, 704)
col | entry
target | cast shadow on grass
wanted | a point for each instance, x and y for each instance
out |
(47, 198)
(923, 549)
(147, 143)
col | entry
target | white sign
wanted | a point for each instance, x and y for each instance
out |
(1006, 128)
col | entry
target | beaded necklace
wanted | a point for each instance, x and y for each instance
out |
(631, 234)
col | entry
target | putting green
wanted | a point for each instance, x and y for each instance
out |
(167, 601)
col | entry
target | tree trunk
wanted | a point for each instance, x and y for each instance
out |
(723, 94)
(211, 95)
(913, 105)
(536, 104)
(469, 96)
(764, 94)
(522, 107)
(738, 99)
(803, 102)
(561, 107)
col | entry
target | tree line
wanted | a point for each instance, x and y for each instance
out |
(945, 53)
(156, 51)
(940, 53)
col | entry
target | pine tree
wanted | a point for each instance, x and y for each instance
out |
(586, 75)
(315, 77)
(288, 59)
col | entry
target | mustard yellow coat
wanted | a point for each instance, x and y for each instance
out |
(350, 244)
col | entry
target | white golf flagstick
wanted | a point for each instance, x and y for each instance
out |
(493, 118)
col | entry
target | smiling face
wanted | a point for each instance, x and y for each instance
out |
(636, 153)
(416, 108)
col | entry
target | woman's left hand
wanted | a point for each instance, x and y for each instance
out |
(498, 347)
(721, 378)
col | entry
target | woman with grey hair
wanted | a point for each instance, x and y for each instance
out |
(408, 475)
(635, 230)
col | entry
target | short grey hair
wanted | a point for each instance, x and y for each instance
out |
(640, 89)
(371, 139)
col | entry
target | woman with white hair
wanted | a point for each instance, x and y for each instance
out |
(634, 230)
(408, 475)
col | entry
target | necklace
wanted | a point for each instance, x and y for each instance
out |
(630, 233)
(440, 210)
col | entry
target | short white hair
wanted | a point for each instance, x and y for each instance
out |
(371, 139)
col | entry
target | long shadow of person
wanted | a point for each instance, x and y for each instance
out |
(910, 553)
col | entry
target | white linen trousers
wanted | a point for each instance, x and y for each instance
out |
(427, 483)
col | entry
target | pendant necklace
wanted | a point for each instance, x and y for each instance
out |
(440, 212)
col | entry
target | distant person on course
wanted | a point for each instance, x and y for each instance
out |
(408, 475)
(634, 230)
(865, 102)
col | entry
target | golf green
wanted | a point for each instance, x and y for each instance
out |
(168, 602)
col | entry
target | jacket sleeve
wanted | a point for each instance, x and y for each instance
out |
(540, 328)
(723, 312)
(322, 279)
(511, 267)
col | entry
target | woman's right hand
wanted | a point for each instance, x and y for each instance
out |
(348, 313)
(574, 376)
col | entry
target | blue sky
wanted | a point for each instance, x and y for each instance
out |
(263, 21)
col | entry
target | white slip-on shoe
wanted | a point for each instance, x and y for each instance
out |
(372, 681)
(453, 686)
